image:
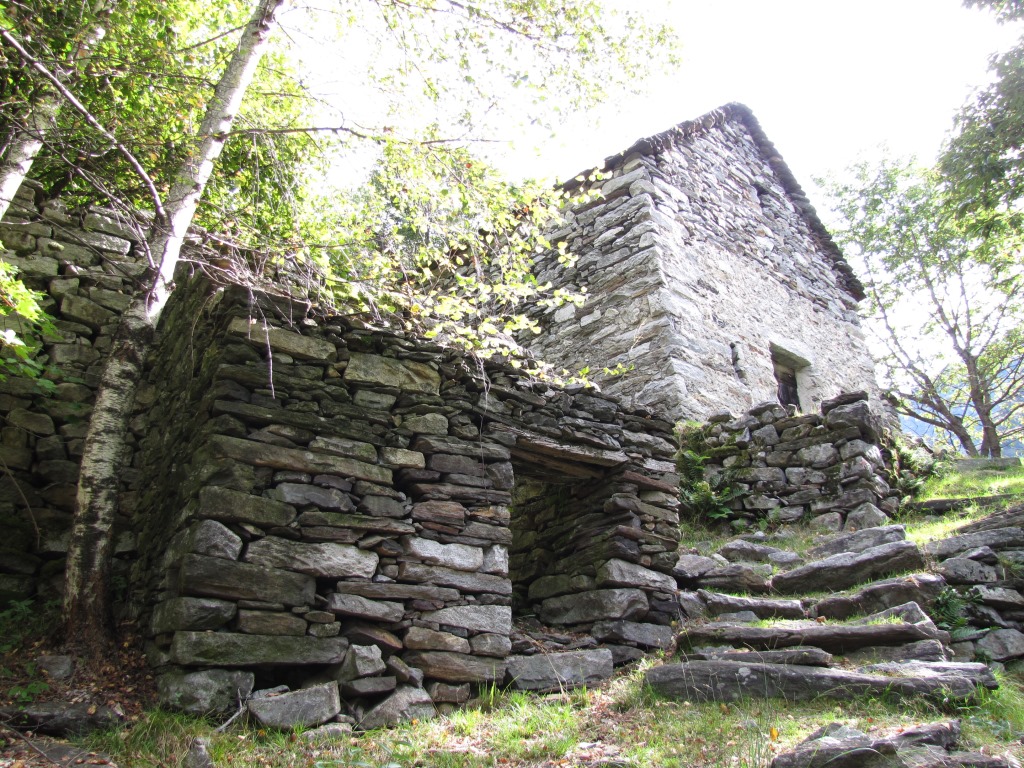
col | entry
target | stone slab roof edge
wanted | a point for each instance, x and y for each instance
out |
(734, 111)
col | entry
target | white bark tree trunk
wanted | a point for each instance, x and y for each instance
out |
(29, 137)
(25, 146)
(87, 600)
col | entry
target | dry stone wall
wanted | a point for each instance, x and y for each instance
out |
(86, 266)
(702, 259)
(339, 507)
(825, 469)
(312, 500)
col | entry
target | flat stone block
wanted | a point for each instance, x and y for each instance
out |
(456, 667)
(215, 577)
(297, 709)
(480, 618)
(406, 375)
(558, 671)
(327, 560)
(594, 606)
(238, 650)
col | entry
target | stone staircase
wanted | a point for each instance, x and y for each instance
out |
(852, 616)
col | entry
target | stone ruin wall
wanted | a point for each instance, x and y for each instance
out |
(316, 499)
(354, 521)
(699, 257)
(85, 265)
(824, 469)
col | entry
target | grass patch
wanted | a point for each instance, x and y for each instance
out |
(968, 483)
(622, 723)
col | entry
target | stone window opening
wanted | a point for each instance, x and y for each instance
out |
(764, 196)
(788, 368)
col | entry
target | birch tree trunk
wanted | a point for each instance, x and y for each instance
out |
(87, 614)
(28, 137)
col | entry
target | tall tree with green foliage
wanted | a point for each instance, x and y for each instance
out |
(983, 164)
(946, 305)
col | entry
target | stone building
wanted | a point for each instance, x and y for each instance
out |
(708, 275)
(328, 503)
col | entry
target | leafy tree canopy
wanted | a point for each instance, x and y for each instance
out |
(946, 304)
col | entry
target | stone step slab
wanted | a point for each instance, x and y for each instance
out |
(848, 569)
(738, 577)
(981, 674)
(727, 681)
(835, 638)
(997, 539)
(923, 746)
(922, 650)
(764, 607)
(547, 672)
(799, 655)
(857, 541)
(921, 588)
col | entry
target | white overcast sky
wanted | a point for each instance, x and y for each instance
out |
(828, 80)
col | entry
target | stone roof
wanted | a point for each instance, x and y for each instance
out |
(735, 112)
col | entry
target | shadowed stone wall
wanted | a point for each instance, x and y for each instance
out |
(349, 497)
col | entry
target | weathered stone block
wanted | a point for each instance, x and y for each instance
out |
(216, 577)
(406, 703)
(456, 667)
(210, 692)
(237, 650)
(303, 494)
(230, 506)
(264, 455)
(619, 573)
(406, 375)
(297, 709)
(479, 618)
(374, 610)
(191, 613)
(644, 635)
(423, 639)
(325, 560)
(361, 661)
(280, 340)
(208, 537)
(594, 606)
(558, 671)
(270, 623)
(465, 581)
(457, 556)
